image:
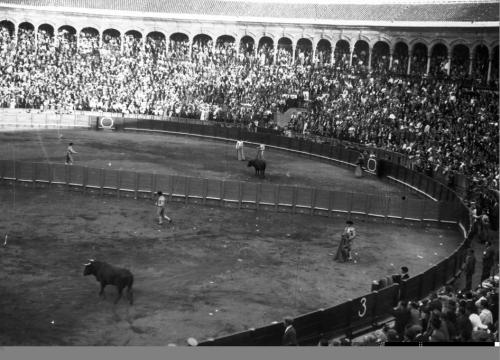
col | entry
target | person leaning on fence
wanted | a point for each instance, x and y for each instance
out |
(239, 150)
(161, 202)
(290, 335)
(69, 154)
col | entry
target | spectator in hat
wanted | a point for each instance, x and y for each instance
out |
(290, 335)
(404, 273)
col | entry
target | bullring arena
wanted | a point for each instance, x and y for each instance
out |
(242, 252)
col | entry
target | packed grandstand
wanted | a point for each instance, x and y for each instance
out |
(435, 100)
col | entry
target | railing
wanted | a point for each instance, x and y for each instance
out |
(16, 119)
(238, 194)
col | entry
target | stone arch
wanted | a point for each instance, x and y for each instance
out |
(284, 51)
(8, 26)
(265, 50)
(178, 45)
(439, 59)
(156, 43)
(324, 51)
(303, 51)
(435, 42)
(419, 58)
(202, 44)
(342, 53)
(361, 53)
(400, 55)
(48, 28)
(380, 55)
(179, 36)
(111, 39)
(247, 45)
(88, 39)
(26, 34)
(225, 39)
(480, 62)
(460, 55)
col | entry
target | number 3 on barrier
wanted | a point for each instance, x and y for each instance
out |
(362, 312)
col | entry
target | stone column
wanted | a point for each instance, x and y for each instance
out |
(122, 40)
(471, 61)
(490, 59)
(390, 61)
(274, 53)
(36, 39)
(313, 60)
(332, 55)
(448, 71)
(410, 55)
(428, 62)
(350, 57)
(293, 53)
(370, 49)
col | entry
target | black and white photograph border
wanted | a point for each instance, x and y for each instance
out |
(402, 102)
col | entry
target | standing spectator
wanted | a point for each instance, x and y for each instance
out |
(402, 317)
(437, 334)
(485, 314)
(414, 314)
(161, 208)
(470, 268)
(488, 258)
(290, 335)
(405, 273)
(239, 150)
(69, 154)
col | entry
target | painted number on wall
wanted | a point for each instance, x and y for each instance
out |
(362, 312)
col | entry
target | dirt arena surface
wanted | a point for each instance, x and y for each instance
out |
(213, 272)
(188, 156)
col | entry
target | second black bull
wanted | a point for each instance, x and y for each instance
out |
(259, 165)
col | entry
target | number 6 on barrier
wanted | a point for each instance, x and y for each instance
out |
(362, 312)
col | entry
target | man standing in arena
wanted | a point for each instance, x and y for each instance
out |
(239, 150)
(69, 154)
(260, 151)
(161, 202)
(345, 246)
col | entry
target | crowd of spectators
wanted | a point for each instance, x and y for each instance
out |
(441, 123)
(444, 316)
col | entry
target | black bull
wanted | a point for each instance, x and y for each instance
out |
(110, 275)
(259, 165)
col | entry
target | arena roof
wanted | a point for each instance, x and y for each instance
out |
(480, 11)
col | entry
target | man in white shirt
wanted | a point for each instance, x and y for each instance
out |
(239, 150)
(161, 202)
(69, 154)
